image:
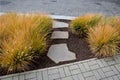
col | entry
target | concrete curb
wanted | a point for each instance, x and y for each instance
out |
(62, 17)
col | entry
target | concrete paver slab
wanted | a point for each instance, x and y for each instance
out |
(59, 53)
(60, 35)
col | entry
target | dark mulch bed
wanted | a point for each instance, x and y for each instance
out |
(75, 44)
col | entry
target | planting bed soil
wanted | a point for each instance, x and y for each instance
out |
(75, 44)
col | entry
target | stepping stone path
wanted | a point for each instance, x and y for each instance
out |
(60, 52)
(59, 35)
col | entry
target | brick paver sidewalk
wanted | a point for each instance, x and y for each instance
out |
(92, 69)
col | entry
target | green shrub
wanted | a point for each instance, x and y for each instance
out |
(81, 25)
(22, 37)
(104, 40)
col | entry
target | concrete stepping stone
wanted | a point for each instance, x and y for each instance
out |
(59, 53)
(57, 24)
(60, 35)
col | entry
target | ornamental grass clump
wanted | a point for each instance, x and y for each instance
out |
(104, 40)
(80, 25)
(22, 38)
(15, 54)
(115, 22)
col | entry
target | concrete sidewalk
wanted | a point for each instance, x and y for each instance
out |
(62, 7)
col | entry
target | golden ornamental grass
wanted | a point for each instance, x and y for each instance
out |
(80, 25)
(22, 37)
(104, 40)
